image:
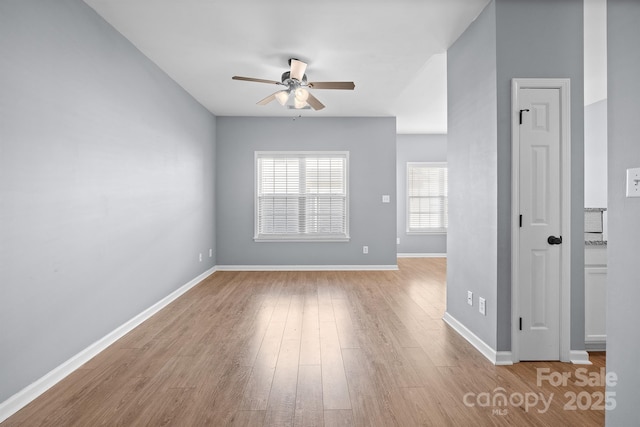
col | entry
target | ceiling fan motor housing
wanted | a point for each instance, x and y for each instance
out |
(287, 80)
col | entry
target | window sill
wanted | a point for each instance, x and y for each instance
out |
(301, 239)
(422, 233)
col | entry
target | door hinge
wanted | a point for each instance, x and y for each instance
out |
(526, 109)
(521, 323)
(520, 220)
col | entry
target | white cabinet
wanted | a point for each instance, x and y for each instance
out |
(595, 295)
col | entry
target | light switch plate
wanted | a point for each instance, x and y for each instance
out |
(633, 182)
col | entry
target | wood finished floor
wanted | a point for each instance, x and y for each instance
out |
(309, 349)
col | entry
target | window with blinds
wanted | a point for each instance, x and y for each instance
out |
(302, 196)
(427, 206)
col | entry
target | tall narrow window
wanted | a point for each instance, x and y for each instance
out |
(427, 206)
(302, 196)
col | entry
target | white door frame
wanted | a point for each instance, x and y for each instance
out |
(565, 176)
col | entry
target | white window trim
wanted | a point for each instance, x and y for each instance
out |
(420, 232)
(319, 238)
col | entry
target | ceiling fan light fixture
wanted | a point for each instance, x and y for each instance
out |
(282, 97)
(298, 104)
(302, 94)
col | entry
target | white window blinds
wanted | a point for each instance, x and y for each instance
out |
(427, 206)
(301, 196)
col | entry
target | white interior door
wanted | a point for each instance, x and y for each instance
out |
(540, 230)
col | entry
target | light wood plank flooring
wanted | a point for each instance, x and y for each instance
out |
(311, 349)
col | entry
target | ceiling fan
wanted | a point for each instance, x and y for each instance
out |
(296, 93)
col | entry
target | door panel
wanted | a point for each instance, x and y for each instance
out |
(539, 180)
(538, 289)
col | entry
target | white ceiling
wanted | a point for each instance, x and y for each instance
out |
(394, 51)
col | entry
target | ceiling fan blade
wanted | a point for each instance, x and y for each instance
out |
(315, 104)
(251, 79)
(333, 85)
(268, 99)
(297, 69)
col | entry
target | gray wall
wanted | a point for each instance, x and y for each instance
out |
(417, 148)
(540, 39)
(525, 39)
(473, 188)
(623, 292)
(106, 185)
(372, 172)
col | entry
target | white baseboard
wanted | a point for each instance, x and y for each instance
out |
(504, 358)
(421, 255)
(495, 357)
(305, 267)
(600, 345)
(35, 389)
(579, 357)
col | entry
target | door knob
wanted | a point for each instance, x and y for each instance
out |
(553, 240)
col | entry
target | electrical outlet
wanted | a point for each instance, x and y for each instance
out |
(481, 306)
(386, 198)
(633, 182)
(365, 249)
(210, 253)
(398, 241)
(200, 257)
(469, 297)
